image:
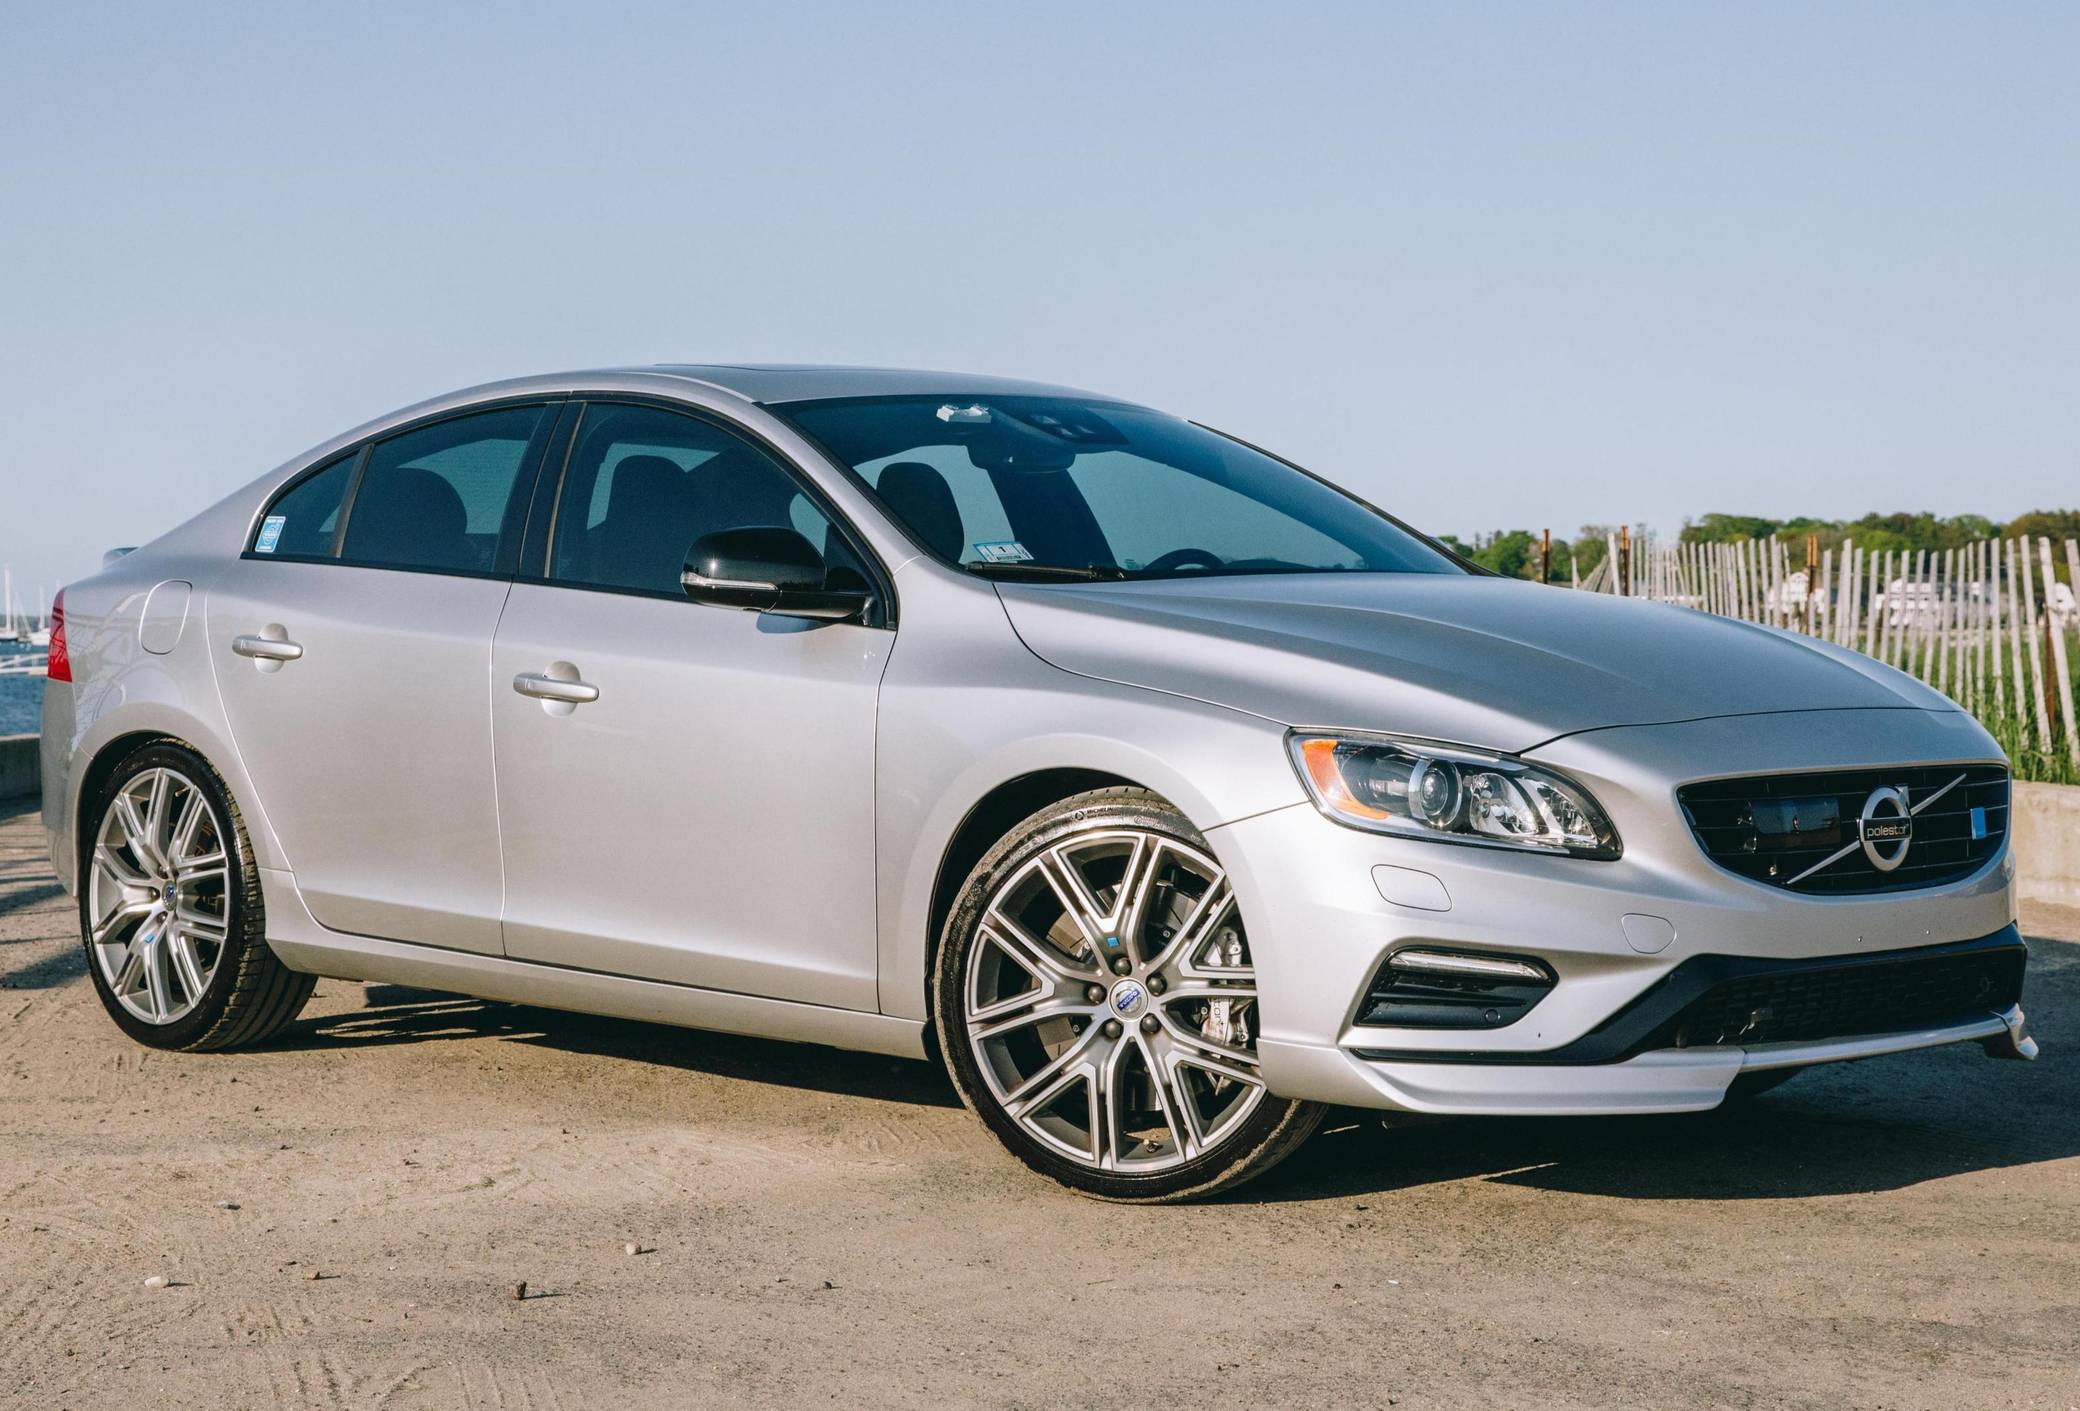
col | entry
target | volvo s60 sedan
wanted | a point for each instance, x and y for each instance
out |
(1168, 793)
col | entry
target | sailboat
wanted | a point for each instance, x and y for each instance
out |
(40, 634)
(8, 631)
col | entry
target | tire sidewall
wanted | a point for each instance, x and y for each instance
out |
(1268, 1125)
(243, 914)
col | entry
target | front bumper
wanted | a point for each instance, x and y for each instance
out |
(1660, 1080)
(1612, 932)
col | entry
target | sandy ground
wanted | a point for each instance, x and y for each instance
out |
(343, 1215)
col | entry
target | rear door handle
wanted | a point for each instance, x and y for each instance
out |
(266, 648)
(536, 686)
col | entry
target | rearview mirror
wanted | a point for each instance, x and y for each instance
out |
(766, 569)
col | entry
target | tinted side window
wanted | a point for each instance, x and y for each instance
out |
(301, 521)
(643, 484)
(445, 496)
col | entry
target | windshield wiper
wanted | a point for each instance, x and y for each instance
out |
(1089, 573)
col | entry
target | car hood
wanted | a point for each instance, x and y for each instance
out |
(1492, 662)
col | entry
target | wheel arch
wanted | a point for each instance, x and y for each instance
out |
(114, 736)
(992, 816)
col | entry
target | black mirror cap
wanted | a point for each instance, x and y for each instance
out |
(766, 569)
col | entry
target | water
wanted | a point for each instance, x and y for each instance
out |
(21, 697)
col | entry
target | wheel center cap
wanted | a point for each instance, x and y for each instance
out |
(167, 894)
(1128, 999)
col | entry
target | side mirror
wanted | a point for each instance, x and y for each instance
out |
(766, 570)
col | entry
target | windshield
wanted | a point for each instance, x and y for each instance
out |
(1045, 487)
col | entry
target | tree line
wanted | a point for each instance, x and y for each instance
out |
(1516, 552)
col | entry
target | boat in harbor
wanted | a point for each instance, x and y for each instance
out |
(15, 627)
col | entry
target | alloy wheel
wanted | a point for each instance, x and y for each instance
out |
(158, 899)
(1111, 1002)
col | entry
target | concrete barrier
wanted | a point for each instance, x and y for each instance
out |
(2047, 842)
(20, 774)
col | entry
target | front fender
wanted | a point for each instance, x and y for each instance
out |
(966, 709)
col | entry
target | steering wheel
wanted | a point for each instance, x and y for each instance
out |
(1182, 558)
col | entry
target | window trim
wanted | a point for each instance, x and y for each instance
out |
(540, 556)
(529, 473)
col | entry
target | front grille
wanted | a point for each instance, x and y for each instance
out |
(1775, 829)
(1849, 999)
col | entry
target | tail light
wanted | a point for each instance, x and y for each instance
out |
(61, 659)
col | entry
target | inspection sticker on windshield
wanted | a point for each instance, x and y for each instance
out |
(270, 533)
(1005, 551)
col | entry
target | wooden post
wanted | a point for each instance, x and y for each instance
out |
(1917, 598)
(1939, 666)
(2038, 696)
(1765, 568)
(2022, 715)
(1809, 608)
(1846, 598)
(1852, 607)
(1979, 625)
(1625, 559)
(1873, 609)
(1891, 611)
(2059, 666)
(1830, 591)
(2000, 676)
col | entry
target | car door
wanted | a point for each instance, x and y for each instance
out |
(352, 646)
(685, 792)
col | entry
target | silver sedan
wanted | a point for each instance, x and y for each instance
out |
(1166, 792)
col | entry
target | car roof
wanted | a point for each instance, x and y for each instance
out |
(803, 382)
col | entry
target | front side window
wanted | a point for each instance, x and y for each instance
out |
(643, 484)
(303, 519)
(447, 496)
(1052, 487)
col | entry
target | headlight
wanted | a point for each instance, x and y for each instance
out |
(1414, 790)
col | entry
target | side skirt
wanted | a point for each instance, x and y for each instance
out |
(304, 945)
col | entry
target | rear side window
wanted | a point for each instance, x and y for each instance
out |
(300, 524)
(446, 497)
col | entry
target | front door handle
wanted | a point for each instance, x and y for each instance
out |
(267, 648)
(536, 686)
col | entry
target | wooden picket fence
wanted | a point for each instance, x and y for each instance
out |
(1987, 624)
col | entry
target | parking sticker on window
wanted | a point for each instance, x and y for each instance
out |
(270, 533)
(1004, 551)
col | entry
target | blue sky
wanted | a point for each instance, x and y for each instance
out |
(1491, 265)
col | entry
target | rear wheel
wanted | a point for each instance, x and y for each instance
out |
(1097, 1004)
(171, 913)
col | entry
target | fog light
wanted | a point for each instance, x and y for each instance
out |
(1438, 989)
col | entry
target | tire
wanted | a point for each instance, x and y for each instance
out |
(1746, 1087)
(1095, 1002)
(171, 913)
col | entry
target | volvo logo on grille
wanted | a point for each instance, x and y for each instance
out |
(1887, 827)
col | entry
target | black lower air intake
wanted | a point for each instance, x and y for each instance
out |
(1434, 989)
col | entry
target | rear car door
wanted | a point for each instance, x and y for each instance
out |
(698, 808)
(352, 644)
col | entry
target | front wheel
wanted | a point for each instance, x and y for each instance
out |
(1096, 1001)
(171, 912)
